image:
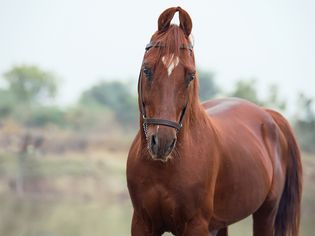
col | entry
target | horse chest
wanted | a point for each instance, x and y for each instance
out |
(167, 206)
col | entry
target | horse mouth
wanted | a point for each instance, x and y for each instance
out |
(161, 158)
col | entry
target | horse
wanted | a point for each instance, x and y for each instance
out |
(195, 168)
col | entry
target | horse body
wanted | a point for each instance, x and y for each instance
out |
(211, 183)
(247, 163)
(231, 158)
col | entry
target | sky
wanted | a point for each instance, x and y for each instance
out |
(83, 42)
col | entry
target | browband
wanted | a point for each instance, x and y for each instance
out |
(161, 45)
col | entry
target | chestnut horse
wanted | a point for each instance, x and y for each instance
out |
(193, 169)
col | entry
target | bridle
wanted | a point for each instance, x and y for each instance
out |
(155, 121)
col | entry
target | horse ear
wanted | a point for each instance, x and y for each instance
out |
(166, 18)
(185, 21)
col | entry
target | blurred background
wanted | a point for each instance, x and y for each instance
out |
(68, 99)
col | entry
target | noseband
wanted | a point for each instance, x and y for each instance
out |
(154, 121)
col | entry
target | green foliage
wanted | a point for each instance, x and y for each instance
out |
(78, 118)
(7, 103)
(30, 84)
(273, 100)
(207, 87)
(84, 117)
(42, 116)
(246, 89)
(115, 96)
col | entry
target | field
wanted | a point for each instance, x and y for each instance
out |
(85, 194)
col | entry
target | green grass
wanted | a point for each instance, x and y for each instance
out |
(77, 194)
(38, 217)
(86, 194)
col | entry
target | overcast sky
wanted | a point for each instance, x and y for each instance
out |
(86, 41)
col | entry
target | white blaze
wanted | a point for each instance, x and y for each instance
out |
(170, 63)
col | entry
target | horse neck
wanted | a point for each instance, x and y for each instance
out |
(196, 121)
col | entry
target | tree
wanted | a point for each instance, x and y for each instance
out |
(44, 115)
(246, 89)
(7, 103)
(207, 87)
(117, 97)
(30, 84)
(273, 100)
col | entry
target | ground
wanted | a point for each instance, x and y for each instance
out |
(86, 194)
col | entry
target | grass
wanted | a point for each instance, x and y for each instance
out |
(64, 217)
(86, 194)
(77, 194)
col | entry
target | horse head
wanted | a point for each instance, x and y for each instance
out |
(166, 83)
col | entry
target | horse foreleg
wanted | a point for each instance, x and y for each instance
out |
(197, 226)
(140, 228)
(223, 232)
(220, 232)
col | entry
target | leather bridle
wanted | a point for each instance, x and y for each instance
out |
(155, 121)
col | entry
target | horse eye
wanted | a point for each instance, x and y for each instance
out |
(147, 72)
(191, 77)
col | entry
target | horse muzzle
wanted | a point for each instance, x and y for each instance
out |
(161, 147)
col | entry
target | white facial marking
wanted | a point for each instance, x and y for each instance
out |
(170, 63)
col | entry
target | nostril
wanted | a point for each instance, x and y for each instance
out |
(173, 143)
(154, 144)
(154, 140)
